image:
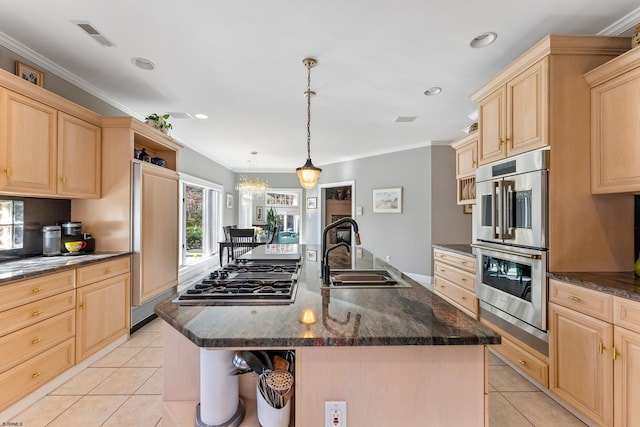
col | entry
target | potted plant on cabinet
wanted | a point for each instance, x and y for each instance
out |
(159, 122)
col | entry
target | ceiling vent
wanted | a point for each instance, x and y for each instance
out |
(405, 119)
(88, 28)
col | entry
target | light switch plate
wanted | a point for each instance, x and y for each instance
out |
(358, 210)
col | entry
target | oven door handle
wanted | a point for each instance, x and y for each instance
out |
(508, 210)
(496, 189)
(504, 251)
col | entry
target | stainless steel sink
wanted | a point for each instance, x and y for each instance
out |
(365, 279)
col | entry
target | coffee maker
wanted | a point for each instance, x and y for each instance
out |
(72, 232)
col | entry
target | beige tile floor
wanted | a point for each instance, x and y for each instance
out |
(124, 389)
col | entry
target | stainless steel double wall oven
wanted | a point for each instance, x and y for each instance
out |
(510, 225)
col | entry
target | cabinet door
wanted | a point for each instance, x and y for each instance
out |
(615, 134)
(467, 158)
(103, 314)
(527, 109)
(627, 378)
(581, 366)
(492, 127)
(79, 157)
(159, 233)
(27, 145)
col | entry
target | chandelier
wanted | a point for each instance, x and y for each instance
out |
(308, 174)
(252, 185)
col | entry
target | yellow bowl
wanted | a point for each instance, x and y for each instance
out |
(75, 246)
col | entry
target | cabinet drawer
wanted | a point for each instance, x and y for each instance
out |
(586, 301)
(459, 277)
(28, 314)
(626, 313)
(26, 291)
(458, 296)
(32, 374)
(103, 270)
(528, 363)
(467, 263)
(28, 342)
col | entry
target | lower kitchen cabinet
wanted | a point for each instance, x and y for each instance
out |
(595, 353)
(103, 310)
(581, 369)
(454, 279)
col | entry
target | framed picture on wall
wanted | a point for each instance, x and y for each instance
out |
(229, 200)
(387, 200)
(30, 74)
(259, 213)
(312, 203)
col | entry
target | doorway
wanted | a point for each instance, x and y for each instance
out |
(337, 200)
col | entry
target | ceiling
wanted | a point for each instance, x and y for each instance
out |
(240, 62)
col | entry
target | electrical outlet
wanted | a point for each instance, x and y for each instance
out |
(335, 414)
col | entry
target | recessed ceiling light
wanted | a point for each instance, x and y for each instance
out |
(405, 119)
(200, 116)
(433, 91)
(142, 63)
(484, 39)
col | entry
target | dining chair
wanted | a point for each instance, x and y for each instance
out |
(242, 241)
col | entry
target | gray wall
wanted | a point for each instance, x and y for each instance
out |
(429, 212)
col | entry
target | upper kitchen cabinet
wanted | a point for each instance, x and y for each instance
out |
(615, 102)
(466, 164)
(49, 146)
(27, 144)
(513, 118)
(79, 157)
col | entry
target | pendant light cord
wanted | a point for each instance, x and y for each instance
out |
(308, 93)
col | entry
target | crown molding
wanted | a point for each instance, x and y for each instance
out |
(623, 24)
(42, 62)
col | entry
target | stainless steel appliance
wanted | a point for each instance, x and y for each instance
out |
(245, 282)
(510, 225)
(51, 240)
(512, 200)
(72, 232)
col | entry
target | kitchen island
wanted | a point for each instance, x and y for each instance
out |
(397, 356)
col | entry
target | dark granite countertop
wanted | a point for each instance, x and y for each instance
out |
(623, 284)
(36, 266)
(346, 317)
(465, 250)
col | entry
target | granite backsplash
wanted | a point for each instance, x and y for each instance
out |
(37, 213)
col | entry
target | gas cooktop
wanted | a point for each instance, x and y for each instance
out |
(245, 282)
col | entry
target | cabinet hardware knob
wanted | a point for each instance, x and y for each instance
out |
(464, 262)
(601, 347)
(464, 279)
(572, 298)
(464, 298)
(37, 374)
(7, 171)
(63, 179)
(107, 270)
(36, 340)
(474, 164)
(522, 362)
(614, 353)
(81, 305)
(36, 290)
(37, 313)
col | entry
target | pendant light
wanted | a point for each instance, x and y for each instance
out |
(308, 174)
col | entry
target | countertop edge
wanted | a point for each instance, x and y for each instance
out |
(620, 284)
(460, 249)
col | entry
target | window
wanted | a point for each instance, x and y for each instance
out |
(201, 219)
(285, 203)
(11, 224)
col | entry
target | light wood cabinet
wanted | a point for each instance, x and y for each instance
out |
(581, 368)
(37, 328)
(103, 308)
(615, 101)
(513, 118)
(454, 280)
(466, 164)
(79, 157)
(595, 353)
(46, 152)
(28, 149)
